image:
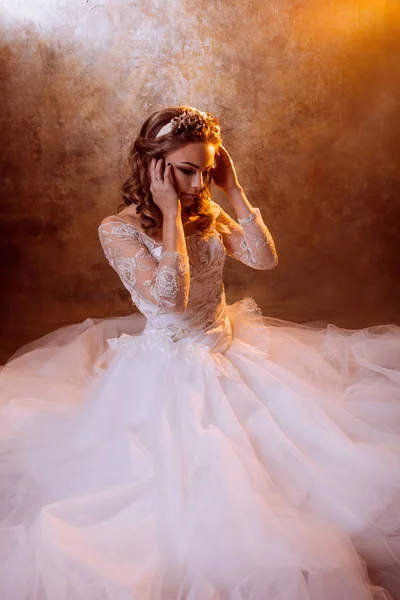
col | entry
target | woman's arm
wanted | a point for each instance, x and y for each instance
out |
(165, 283)
(173, 276)
(248, 240)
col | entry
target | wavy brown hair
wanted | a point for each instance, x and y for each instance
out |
(136, 189)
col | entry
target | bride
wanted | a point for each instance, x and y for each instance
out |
(198, 450)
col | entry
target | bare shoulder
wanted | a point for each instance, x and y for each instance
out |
(124, 216)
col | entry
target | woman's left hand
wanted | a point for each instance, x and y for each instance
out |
(224, 174)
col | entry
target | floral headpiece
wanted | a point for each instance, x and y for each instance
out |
(189, 119)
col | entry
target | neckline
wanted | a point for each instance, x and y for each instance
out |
(119, 220)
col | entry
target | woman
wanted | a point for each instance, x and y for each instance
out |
(198, 451)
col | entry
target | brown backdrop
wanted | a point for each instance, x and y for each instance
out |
(308, 96)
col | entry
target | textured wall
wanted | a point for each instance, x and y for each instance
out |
(307, 92)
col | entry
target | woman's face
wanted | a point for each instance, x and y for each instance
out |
(191, 166)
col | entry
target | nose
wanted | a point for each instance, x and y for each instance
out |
(197, 181)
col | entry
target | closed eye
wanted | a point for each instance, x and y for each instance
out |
(190, 172)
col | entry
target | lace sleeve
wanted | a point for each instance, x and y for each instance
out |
(247, 240)
(164, 283)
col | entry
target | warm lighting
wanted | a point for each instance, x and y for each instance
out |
(330, 21)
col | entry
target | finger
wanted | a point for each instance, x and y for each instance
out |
(156, 178)
(151, 167)
(167, 172)
(169, 176)
(172, 178)
(158, 169)
(225, 153)
(158, 166)
(225, 157)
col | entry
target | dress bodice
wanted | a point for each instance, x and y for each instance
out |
(161, 282)
(206, 300)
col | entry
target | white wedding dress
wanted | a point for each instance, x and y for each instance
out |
(211, 454)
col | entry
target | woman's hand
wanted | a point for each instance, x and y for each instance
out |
(224, 174)
(162, 188)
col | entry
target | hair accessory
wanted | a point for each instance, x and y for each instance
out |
(193, 119)
(164, 130)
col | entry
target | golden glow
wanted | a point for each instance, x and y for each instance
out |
(327, 21)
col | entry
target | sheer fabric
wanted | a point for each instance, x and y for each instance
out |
(247, 240)
(210, 453)
(164, 282)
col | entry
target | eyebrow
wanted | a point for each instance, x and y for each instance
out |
(196, 166)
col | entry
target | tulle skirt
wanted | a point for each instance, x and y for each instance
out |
(257, 460)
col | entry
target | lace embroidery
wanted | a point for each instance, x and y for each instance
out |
(183, 293)
(164, 282)
(123, 231)
(247, 220)
(248, 240)
(181, 261)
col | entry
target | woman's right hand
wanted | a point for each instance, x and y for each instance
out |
(162, 188)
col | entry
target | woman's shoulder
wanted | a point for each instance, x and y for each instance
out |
(125, 216)
(111, 219)
(125, 223)
(116, 223)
